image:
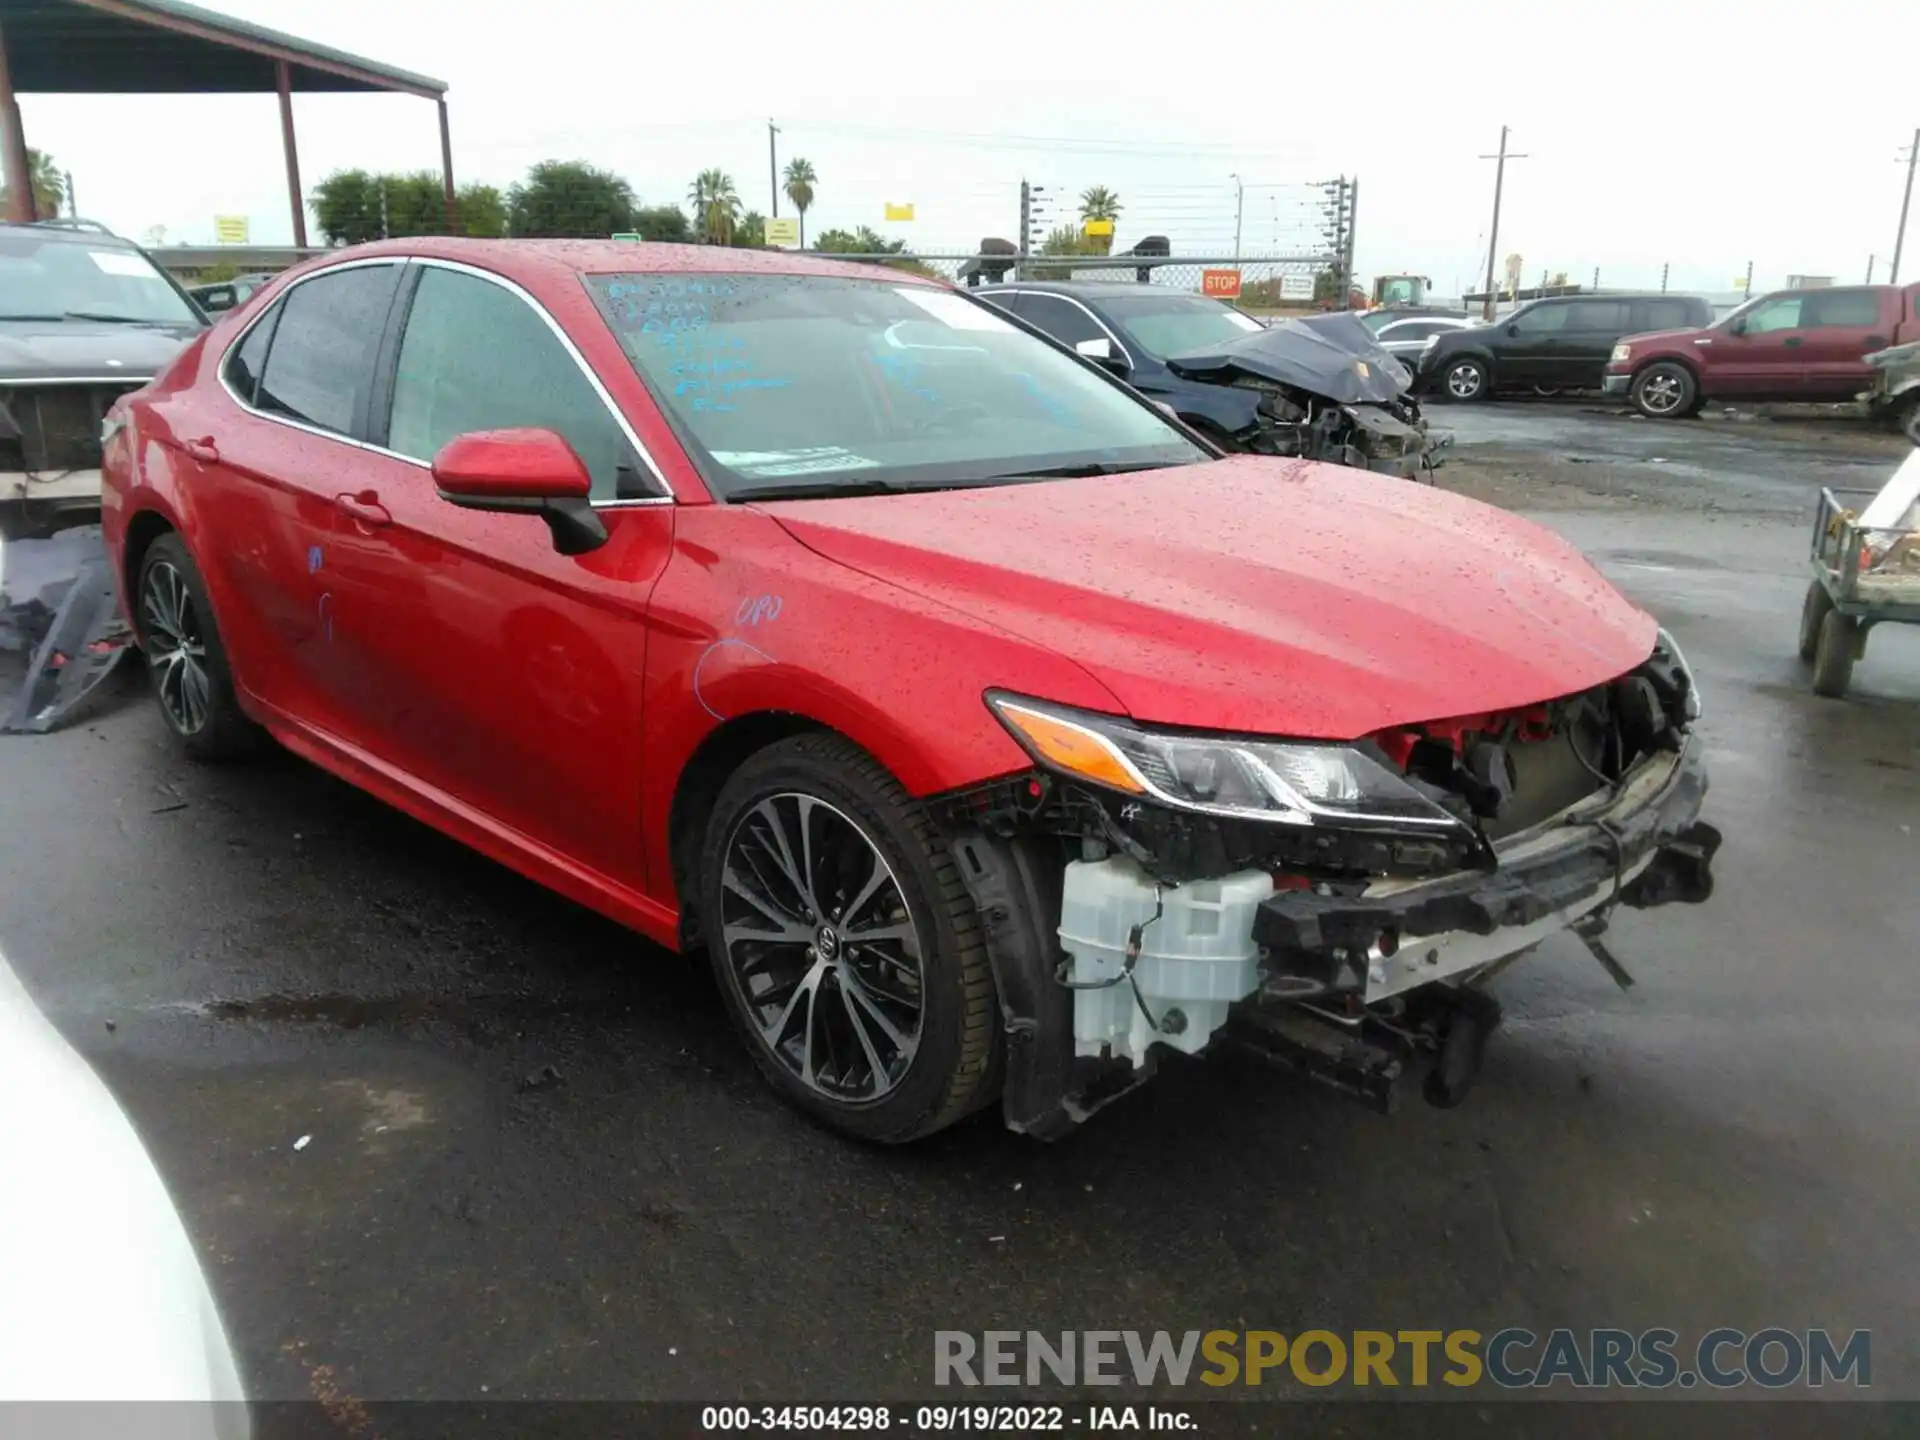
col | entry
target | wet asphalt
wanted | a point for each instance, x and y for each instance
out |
(541, 1166)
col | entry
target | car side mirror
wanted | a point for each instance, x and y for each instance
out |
(1513, 329)
(1739, 327)
(522, 472)
(1100, 350)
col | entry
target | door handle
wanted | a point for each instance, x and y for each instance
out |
(1791, 341)
(364, 507)
(203, 450)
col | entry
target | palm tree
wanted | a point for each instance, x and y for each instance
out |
(716, 205)
(49, 186)
(800, 183)
(1100, 203)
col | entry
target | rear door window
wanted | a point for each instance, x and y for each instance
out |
(249, 357)
(478, 357)
(1611, 316)
(319, 369)
(1842, 307)
(1665, 315)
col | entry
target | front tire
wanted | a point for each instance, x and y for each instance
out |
(847, 949)
(186, 660)
(1464, 381)
(1665, 391)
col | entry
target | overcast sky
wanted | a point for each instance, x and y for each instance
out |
(1701, 133)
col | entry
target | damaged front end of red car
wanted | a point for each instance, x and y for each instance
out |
(1338, 908)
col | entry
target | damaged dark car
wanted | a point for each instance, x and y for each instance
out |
(85, 318)
(1318, 387)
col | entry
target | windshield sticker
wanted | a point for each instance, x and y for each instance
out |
(951, 310)
(115, 262)
(820, 460)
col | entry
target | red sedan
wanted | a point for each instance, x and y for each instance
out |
(991, 733)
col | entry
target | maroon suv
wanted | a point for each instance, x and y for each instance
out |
(1790, 345)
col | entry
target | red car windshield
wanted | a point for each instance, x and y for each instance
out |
(781, 381)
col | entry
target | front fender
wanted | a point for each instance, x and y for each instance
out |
(746, 621)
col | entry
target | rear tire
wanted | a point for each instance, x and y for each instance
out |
(1465, 380)
(847, 949)
(1833, 655)
(1665, 390)
(186, 660)
(1813, 613)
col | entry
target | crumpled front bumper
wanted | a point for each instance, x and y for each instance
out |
(1616, 387)
(1643, 846)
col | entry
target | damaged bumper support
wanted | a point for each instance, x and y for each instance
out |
(1642, 847)
(1353, 990)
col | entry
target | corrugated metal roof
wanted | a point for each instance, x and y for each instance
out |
(158, 47)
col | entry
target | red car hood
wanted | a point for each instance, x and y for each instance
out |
(1270, 596)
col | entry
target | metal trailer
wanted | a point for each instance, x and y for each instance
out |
(1844, 603)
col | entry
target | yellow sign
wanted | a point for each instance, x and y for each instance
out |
(899, 212)
(1099, 227)
(230, 229)
(783, 232)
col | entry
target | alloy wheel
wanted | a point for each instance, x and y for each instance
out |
(822, 947)
(1463, 382)
(176, 649)
(1660, 393)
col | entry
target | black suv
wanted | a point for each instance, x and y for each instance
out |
(84, 317)
(1559, 343)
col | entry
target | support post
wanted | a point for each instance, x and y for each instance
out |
(446, 170)
(773, 169)
(19, 169)
(284, 74)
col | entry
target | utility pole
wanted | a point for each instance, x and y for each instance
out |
(1346, 265)
(1870, 260)
(1663, 278)
(773, 169)
(1906, 202)
(1746, 290)
(1493, 239)
(73, 206)
(1596, 279)
(1026, 229)
(1239, 208)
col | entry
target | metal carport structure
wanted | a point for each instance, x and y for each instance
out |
(164, 47)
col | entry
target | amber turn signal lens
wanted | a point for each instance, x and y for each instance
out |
(1072, 748)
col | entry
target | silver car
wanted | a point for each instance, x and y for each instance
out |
(1407, 339)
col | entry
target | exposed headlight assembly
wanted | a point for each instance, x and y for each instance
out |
(1287, 782)
(1692, 702)
(1620, 352)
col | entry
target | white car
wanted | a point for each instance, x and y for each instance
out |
(101, 1295)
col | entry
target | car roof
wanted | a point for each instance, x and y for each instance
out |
(1091, 289)
(1615, 295)
(61, 231)
(554, 259)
